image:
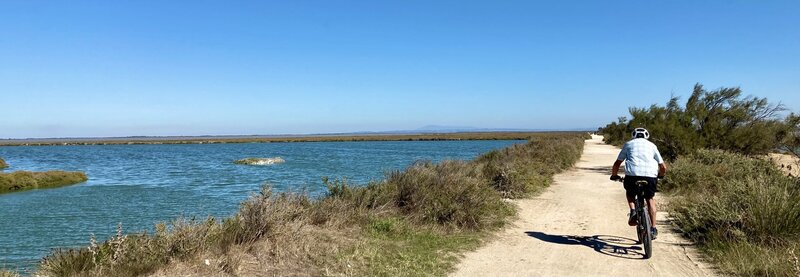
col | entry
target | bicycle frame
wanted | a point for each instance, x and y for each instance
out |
(645, 223)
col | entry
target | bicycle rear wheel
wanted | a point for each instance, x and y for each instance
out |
(646, 235)
(639, 228)
(639, 233)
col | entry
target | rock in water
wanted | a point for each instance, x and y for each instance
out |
(260, 161)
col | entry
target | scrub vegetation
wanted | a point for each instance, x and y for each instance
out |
(741, 208)
(744, 211)
(26, 180)
(414, 222)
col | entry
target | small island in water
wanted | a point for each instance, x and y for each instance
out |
(260, 161)
(27, 180)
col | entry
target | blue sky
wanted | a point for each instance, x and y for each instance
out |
(104, 68)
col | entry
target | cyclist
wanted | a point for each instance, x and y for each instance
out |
(642, 162)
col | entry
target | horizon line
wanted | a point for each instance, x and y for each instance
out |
(395, 132)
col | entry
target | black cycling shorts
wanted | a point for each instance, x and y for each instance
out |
(631, 189)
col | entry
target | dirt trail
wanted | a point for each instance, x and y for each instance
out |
(578, 227)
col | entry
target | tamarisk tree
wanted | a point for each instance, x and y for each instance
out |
(718, 119)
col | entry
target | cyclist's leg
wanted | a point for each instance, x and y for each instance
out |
(649, 194)
(630, 202)
(630, 192)
(630, 195)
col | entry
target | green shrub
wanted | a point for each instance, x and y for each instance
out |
(449, 193)
(264, 214)
(719, 119)
(740, 209)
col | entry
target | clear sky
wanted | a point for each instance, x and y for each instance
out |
(123, 68)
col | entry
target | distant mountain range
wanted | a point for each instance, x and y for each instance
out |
(462, 129)
(459, 129)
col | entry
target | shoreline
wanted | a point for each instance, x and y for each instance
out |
(412, 217)
(277, 139)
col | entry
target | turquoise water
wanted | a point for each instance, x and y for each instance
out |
(140, 185)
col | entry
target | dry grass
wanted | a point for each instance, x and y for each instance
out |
(795, 261)
(26, 180)
(3, 164)
(410, 224)
(6, 273)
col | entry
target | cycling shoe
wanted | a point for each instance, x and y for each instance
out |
(633, 219)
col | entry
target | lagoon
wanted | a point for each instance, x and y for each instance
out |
(139, 185)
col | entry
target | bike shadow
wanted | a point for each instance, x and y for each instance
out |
(615, 246)
(598, 169)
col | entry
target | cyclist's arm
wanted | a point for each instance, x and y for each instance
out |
(662, 166)
(615, 168)
(623, 154)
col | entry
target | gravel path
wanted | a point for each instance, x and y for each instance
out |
(578, 227)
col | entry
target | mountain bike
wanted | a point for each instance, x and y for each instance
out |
(644, 223)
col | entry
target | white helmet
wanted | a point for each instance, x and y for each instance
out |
(640, 133)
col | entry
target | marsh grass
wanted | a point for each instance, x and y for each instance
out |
(26, 180)
(3, 164)
(402, 249)
(412, 223)
(744, 212)
(6, 273)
